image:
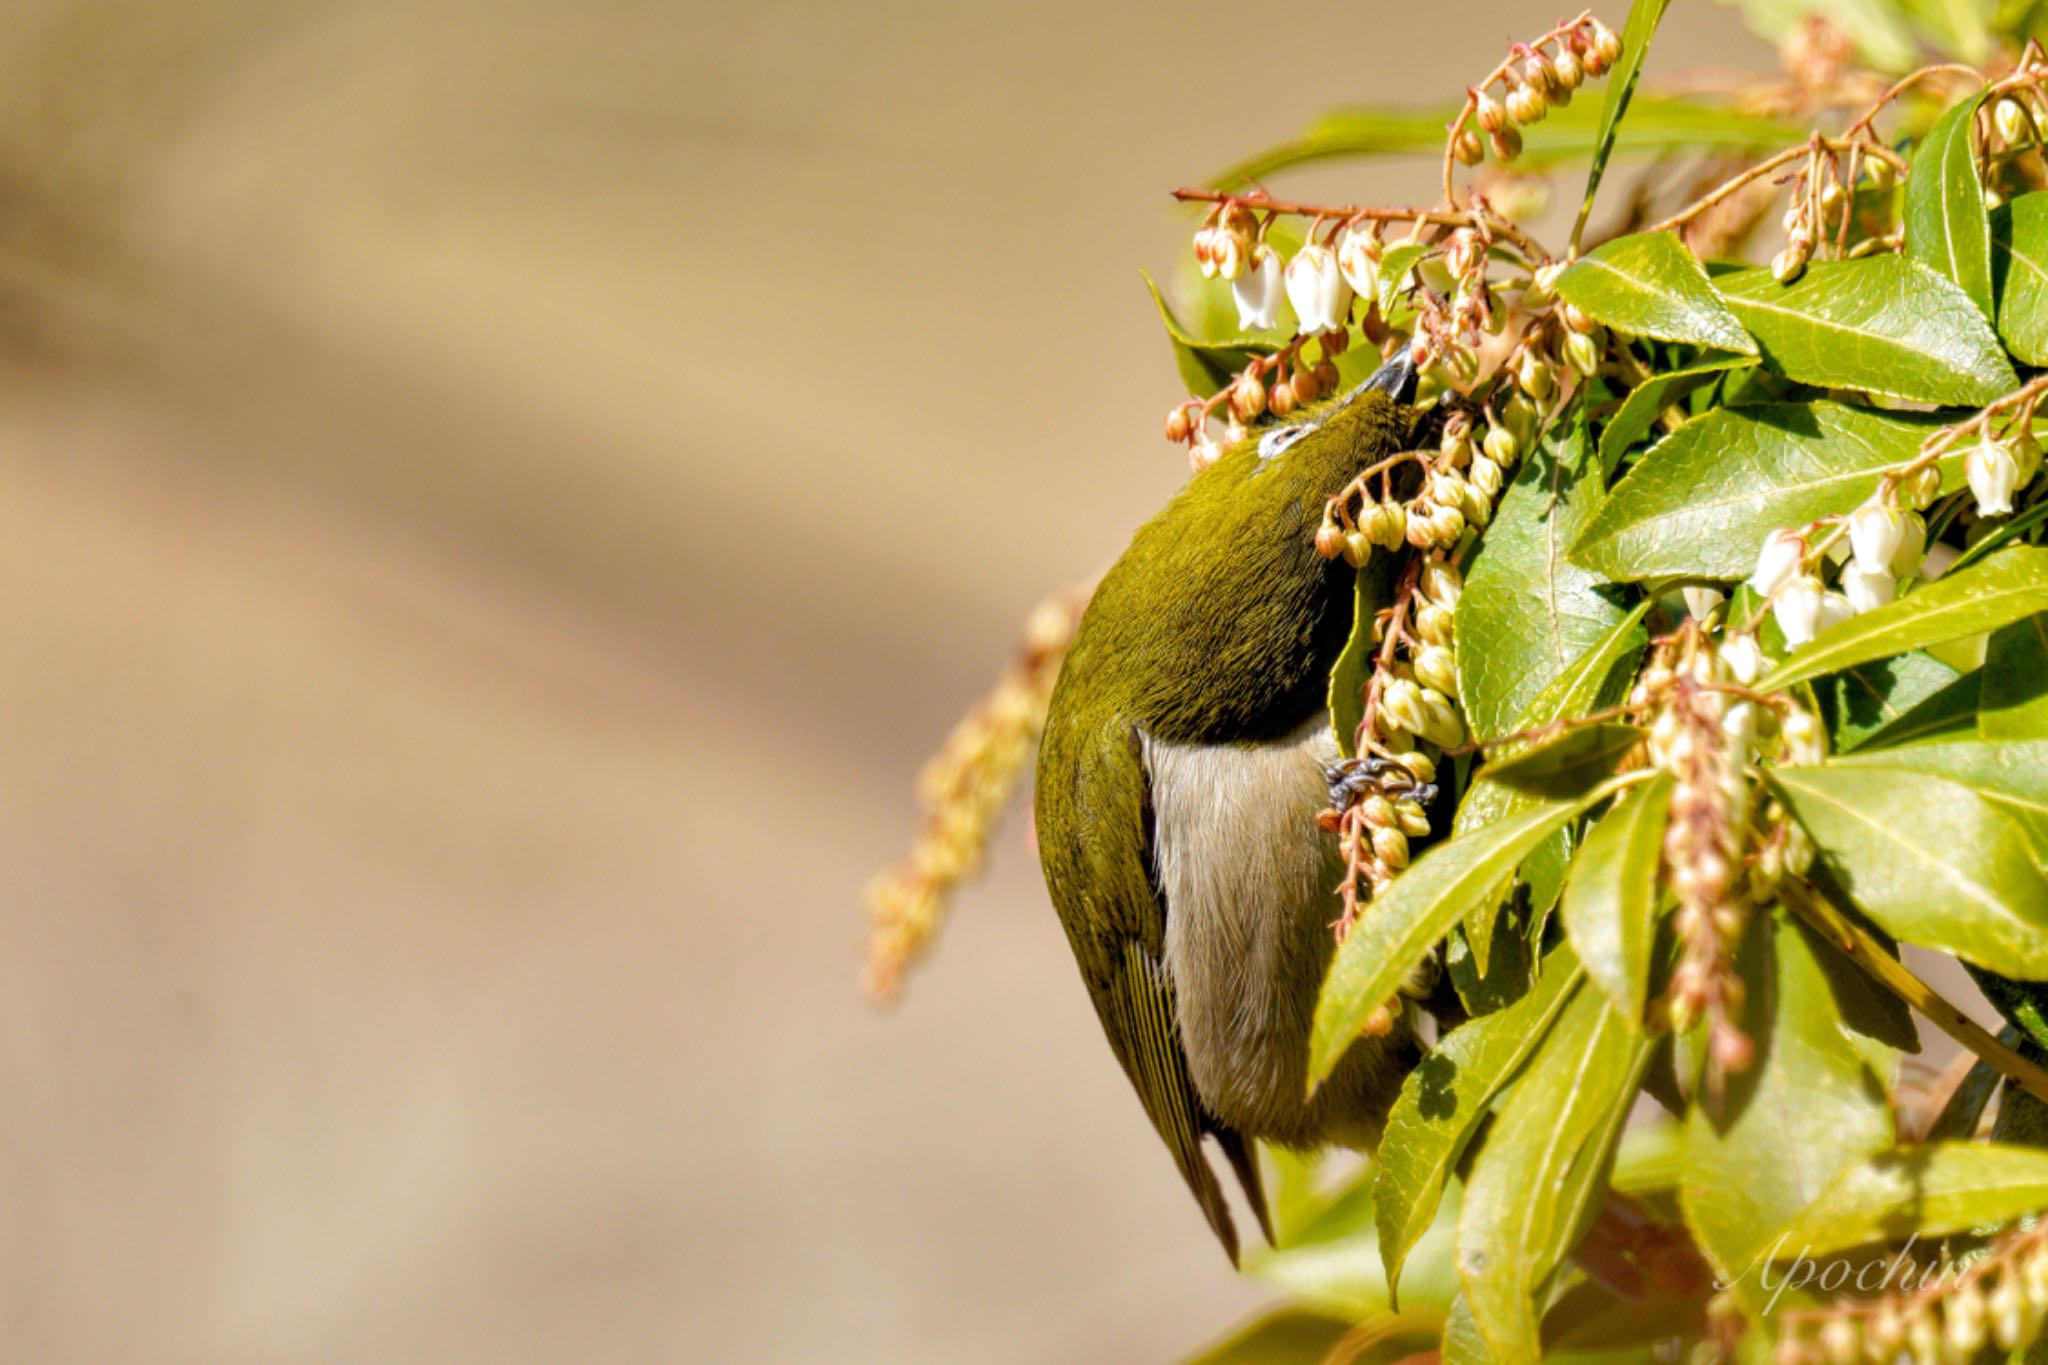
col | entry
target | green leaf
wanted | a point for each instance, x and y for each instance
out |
(2003, 533)
(1700, 502)
(1807, 1106)
(1333, 1264)
(1540, 1167)
(1928, 859)
(1929, 1190)
(1416, 910)
(1442, 1101)
(1990, 593)
(1647, 284)
(1881, 324)
(1371, 590)
(1526, 611)
(1207, 366)
(1569, 763)
(2019, 272)
(1656, 127)
(1950, 713)
(1862, 700)
(1643, 17)
(1611, 898)
(1639, 411)
(1947, 226)
(2013, 702)
(1279, 1336)
(2011, 774)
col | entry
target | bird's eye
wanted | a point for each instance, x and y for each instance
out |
(1274, 442)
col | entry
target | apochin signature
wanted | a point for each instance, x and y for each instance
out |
(1895, 1274)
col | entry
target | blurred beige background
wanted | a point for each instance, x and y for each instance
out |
(496, 500)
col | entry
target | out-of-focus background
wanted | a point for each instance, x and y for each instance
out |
(496, 500)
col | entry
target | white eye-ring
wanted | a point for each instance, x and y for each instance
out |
(1274, 442)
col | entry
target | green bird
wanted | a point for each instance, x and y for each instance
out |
(1186, 755)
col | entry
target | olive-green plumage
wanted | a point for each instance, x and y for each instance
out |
(1178, 780)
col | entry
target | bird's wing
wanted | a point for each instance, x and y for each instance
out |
(1119, 938)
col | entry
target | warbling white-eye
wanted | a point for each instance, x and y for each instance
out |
(1187, 753)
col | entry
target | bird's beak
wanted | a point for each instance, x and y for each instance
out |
(1395, 379)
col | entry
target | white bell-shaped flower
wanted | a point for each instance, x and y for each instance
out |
(1700, 602)
(1316, 288)
(1876, 531)
(1358, 256)
(1778, 562)
(1993, 474)
(1744, 658)
(1798, 609)
(1867, 588)
(1834, 609)
(1258, 291)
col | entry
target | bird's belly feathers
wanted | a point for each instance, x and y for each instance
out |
(1250, 888)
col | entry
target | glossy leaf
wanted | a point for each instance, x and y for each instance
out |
(1415, 911)
(1543, 1162)
(1861, 700)
(1807, 1106)
(1881, 324)
(1442, 1101)
(1656, 127)
(1929, 1190)
(1990, 593)
(1207, 366)
(1527, 612)
(2011, 774)
(1928, 859)
(1950, 713)
(2019, 272)
(2013, 698)
(1568, 763)
(1643, 17)
(1947, 226)
(1647, 284)
(1639, 411)
(1610, 900)
(1701, 501)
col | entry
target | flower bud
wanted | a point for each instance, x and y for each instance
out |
(1486, 111)
(1501, 446)
(1533, 376)
(1569, 72)
(1963, 1320)
(1537, 71)
(1582, 353)
(1307, 383)
(2011, 121)
(1420, 766)
(1401, 704)
(2008, 1306)
(1233, 432)
(1357, 549)
(1477, 507)
(1506, 143)
(1358, 256)
(1485, 476)
(1733, 1050)
(1446, 524)
(1434, 624)
(1230, 252)
(1606, 44)
(1377, 811)
(1797, 606)
(1867, 590)
(1993, 473)
(1257, 291)
(1789, 264)
(1281, 400)
(1204, 240)
(1178, 426)
(1390, 528)
(1390, 846)
(1442, 584)
(1204, 452)
(1467, 147)
(1923, 1338)
(1329, 540)
(1438, 668)
(1700, 602)
(1778, 562)
(1411, 819)
(1247, 398)
(1326, 376)
(1802, 737)
(1441, 725)
(1421, 524)
(1316, 288)
(1920, 488)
